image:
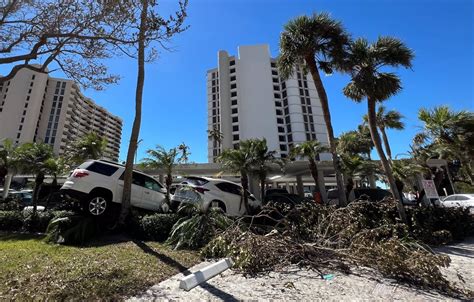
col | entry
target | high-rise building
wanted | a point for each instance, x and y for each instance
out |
(37, 108)
(247, 98)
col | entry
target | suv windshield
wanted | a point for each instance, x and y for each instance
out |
(197, 181)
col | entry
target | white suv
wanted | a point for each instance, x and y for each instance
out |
(98, 183)
(213, 192)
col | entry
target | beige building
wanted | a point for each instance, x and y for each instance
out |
(37, 108)
(247, 98)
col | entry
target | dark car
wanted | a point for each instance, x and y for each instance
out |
(361, 194)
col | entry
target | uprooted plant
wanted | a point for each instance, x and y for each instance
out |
(362, 234)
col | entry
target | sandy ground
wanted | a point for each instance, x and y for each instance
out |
(295, 284)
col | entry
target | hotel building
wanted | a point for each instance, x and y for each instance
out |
(247, 98)
(35, 107)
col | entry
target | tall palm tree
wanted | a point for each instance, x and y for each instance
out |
(262, 160)
(242, 161)
(160, 158)
(315, 42)
(37, 159)
(387, 120)
(366, 63)
(310, 150)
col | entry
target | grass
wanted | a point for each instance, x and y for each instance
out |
(31, 269)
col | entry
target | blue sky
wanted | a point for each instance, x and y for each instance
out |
(174, 108)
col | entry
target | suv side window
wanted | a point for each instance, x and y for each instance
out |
(151, 184)
(229, 188)
(102, 168)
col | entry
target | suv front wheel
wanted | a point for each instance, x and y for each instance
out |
(97, 205)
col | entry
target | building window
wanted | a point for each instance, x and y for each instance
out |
(213, 89)
(278, 104)
(273, 64)
(290, 138)
(275, 80)
(277, 95)
(232, 70)
(276, 87)
(284, 93)
(282, 138)
(232, 63)
(234, 110)
(283, 85)
(18, 135)
(235, 119)
(235, 137)
(279, 112)
(29, 90)
(235, 128)
(287, 111)
(24, 112)
(234, 93)
(20, 128)
(33, 77)
(281, 129)
(283, 147)
(232, 78)
(274, 72)
(279, 120)
(232, 86)
(234, 102)
(308, 137)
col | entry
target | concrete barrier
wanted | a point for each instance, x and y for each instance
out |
(205, 274)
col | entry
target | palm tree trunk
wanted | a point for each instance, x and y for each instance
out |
(313, 168)
(127, 180)
(169, 182)
(6, 184)
(386, 144)
(38, 182)
(310, 61)
(385, 164)
(245, 186)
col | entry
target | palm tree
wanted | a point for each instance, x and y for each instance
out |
(310, 150)
(215, 134)
(38, 159)
(90, 146)
(262, 159)
(365, 63)
(450, 134)
(7, 164)
(241, 160)
(160, 158)
(315, 42)
(387, 120)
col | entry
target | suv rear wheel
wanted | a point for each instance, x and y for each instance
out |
(97, 205)
(219, 205)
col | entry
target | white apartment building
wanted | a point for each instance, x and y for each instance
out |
(247, 98)
(37, 108)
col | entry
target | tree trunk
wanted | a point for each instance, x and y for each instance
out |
(127, 180)
(169, 182)
(6, 184)
(38, 182)
(385, 164)
(245, 186)
(313, 168)
(311, 62)
(262, 186)
(386, 144)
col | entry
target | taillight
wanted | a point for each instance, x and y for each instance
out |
(80, 173)
(201, 190)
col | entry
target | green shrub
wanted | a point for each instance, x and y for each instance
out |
(10, 220)
(10, 204)
(155, 227)
(38, 222)
(197, 228)
(74, 230)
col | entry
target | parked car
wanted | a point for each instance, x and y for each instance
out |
(97, 184)
(25, 196)
(212, 192)
(459, 200)
(359, 193)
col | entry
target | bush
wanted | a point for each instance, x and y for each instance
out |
(154, 227)
(10, 204)
(10, 220)
(197, 228)
(76, 229)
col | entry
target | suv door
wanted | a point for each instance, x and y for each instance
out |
(232, 198)
(137, 190)
(153, 197)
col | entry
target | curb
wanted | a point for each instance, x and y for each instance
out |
(202, 275)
